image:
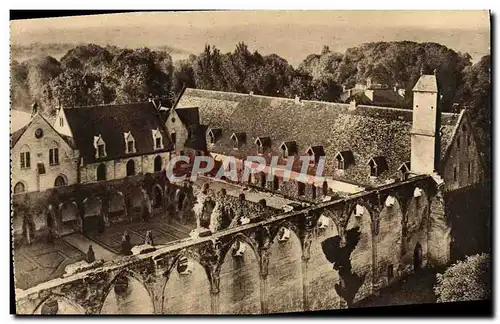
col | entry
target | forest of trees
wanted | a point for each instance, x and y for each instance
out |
(96, 75)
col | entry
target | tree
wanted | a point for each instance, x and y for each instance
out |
(475, 95)
(465, 280)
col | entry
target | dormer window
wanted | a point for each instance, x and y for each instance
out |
(316, 152)
(214, 134)
(100, 147)
(263, 143)
(404, 170)
(378, 165)
(238, 139)
(129, 143)
(287, 149)
(344, 159)
(157, 139)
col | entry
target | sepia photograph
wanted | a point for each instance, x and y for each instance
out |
(251, 162)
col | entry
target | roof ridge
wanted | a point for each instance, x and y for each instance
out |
(106, 105)
(338, 104)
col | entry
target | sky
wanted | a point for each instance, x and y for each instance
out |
(377, 19)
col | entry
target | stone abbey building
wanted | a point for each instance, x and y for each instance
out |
(389, 201)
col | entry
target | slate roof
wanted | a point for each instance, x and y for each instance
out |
(111, 121)
(367, 131)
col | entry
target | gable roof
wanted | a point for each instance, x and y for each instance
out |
(112, 121)
(367, 131)
(15, 136)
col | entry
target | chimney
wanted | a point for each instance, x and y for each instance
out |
(368, 83)
(251, 93)
(352, 104)
(34, 109)
(297, 99)
(425, 137)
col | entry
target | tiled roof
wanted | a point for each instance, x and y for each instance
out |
(366, 131)
(112, 121)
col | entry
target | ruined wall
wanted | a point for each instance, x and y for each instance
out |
(259, 268)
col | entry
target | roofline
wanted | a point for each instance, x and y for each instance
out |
(464, 114)
(73, 146)
(453, 135)
(346, 105)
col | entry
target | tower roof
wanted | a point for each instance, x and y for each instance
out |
(426, 83)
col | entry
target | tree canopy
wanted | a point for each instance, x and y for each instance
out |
(465, 280)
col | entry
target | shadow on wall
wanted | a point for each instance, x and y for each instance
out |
(338, 253)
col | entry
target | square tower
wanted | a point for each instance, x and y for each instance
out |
(425, 141)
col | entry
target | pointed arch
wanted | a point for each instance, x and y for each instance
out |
(133, 299)
(187, 289)
(73, 309)
(239, 269)
(61, 180)
(20, 187)
(285, 260)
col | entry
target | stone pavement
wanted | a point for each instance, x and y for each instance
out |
(82, 243)
(163, 232)
(40, 262)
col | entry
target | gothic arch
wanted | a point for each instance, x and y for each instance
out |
(20, 187)
(56, 297)
(239, 268)
(157, 196)
(332, 217)
(61, 180)
(133, 277)
(284, 224)
(285, 259)
(237, 237)
(187, 292)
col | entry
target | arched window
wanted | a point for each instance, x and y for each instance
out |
(130, 168)
(101, 172)
(60, 181)
(157, 164)
(19, 188)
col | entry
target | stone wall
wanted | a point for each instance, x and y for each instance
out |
(262, 268)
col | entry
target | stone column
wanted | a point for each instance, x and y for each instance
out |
(264, 266)
(305, 283)
(214, 295)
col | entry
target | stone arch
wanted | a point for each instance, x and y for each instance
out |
(362, 256)
(134, 202)
(101, 172)
(61, 180)
(116, 207)
(285, 291)
(415, 228)
(69, 218)
(93, 220)
(321, 279)
(157, 196)
(20, 187)
(65, 306)
(187, 290)
(158, 163)
(130, 166)
(388, 236)
(127, 294)
(240, 278)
